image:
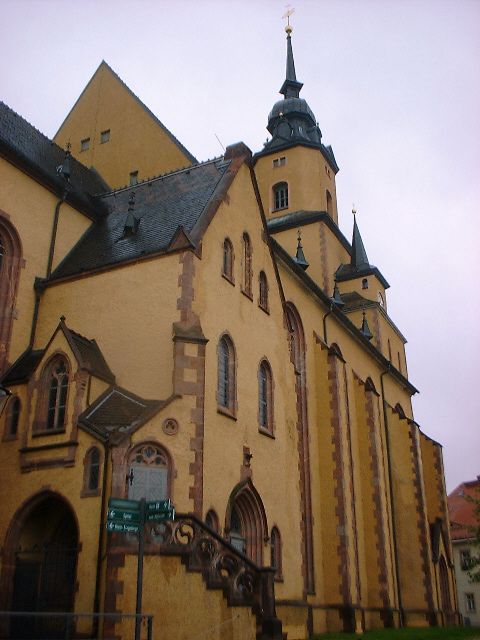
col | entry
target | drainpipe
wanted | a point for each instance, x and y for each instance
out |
(54, 234)
(392, 503)
(325, 323)
(38, 287)
(101, 537)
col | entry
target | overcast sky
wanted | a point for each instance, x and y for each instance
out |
(395, 87)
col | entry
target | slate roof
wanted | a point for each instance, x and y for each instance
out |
(23, 367)
(89, 355)
(86, 352)
(462, 511)
(24, 145)
(162, 206)
(118, 412)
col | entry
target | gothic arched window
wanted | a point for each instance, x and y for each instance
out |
(265, 397)
(10, 257)
(211, 520)
(280, 196)
(228, 259)
(247, 265)
(276, 553)
(263, 287)
(149, 473)
(91, 473)
(13, 416)
(226, 391)
(57, 382)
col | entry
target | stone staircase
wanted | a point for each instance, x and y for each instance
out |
(202, 550)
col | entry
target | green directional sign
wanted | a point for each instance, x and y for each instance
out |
(120, 527)
(159, 516)
(123, 516)
(159, 505)
(118, 503)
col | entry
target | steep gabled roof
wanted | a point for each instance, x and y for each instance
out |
(105, 65)
(86, 352)
(117, 413)
(30, 150)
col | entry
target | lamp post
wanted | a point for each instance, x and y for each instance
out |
(4, 396)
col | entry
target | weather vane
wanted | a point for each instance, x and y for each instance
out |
(354, 211)
(290, 10)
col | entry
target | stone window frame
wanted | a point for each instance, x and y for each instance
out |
(87, 490)
(276, 553)
(263, 292)
(43, 402)
(226, 376)
(138, 449)
(470, 604)
(266, 422)
(212, 520)
(84, 144)
(280, 196)
(247, 270)
(14, 408)
(228, 261)
(10, 263)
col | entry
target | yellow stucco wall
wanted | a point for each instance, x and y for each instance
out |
(308, 177)
(30, 208)
(137, 141)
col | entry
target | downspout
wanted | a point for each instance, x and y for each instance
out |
(54, 234)
(325, 323)
(101, 537)
(392, 503)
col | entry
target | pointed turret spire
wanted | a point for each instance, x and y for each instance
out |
(336, 297)
(359, 255)
(300, 256)
(291, 87)
(365, 329)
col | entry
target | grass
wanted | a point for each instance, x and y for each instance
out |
(428, 633)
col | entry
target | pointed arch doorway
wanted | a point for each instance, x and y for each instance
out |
(246, 522)
(42, 545)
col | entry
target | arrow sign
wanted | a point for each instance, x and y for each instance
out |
(159, 505)
(116, 527)
(161, 515)
(123, 516)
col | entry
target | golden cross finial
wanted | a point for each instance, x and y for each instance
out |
(290, 10)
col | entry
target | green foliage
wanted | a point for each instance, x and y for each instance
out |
(427, 633)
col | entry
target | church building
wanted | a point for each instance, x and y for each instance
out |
(202, 333)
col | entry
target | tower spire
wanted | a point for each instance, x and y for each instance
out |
(359, 255)
(291, 87)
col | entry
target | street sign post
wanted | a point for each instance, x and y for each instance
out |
(130, 516)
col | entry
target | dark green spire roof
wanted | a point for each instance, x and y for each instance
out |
(291, 87)
(359, 255)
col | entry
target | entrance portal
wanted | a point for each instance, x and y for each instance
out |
(45, 561)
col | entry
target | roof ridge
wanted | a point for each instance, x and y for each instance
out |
(161, 176)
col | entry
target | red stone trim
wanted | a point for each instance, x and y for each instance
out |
(422, 522)
(298, 356)
(113, 588)
(378, 497)
(343, 567)
(324, 259)
(190, 325)
(352, 484)
(9, 277)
